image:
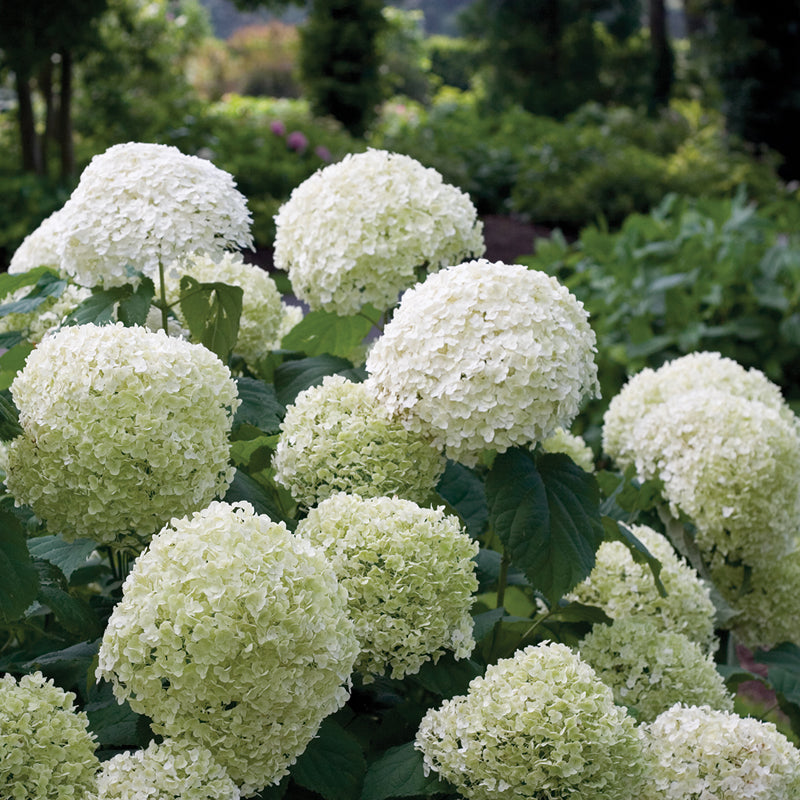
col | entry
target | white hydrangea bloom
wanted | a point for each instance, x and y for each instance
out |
(731, 464)
(359, 231)
(409, 575)
(623, 588)
(650, 670)
(40, 247)
(262, 310)
(172, 770)
(291, 315)
(143, 204)
(46, 750)
(562, 441)
(123, 429)
(336, 437)
(540, 724)
(701, 754)
(48, 315)
(232, 634)
(485, 356)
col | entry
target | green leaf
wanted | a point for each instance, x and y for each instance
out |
(546, 513)
(212, 312)
(10, 338)
(67, 556)
(12, 361)
(74, 614)
(399, 773)
(98, 309)
(260, 406)
(244, 487)
(578, 612)
(9, 419)
(783, 665)
(254, 454)
(19, 579)
(615, 531)
(484, 623)
(114, 724)
(488, 570)
(134, 308)
(10, 283)
(292, 377)
(463, 490)
(326, 332)
(47, 286)
(448, 677)
(332, 765)
(68, 667)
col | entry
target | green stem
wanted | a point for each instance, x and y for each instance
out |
(375, 323)
(163, 291)
(502, 579)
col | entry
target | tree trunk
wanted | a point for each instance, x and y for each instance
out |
(45, 83)
(31, 151)
(662, 55)
(67, 150)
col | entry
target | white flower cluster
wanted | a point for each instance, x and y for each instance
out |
(409, 575)
(123, 429)
(336, 437)
(485, 356)
(262, 310)
(698, 754)
(171, 770)
(46, 750)
(140, 205)
(540, 724)
(232, 634)
(48, 315)
(357, 232)
(650, 669)
(39, 248)
(572, 445)
(623, 588)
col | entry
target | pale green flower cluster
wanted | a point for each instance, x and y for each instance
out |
(39, 248)
(485, 356)
(138, 205)
(623, 588)
(538, 725)
(48, 315)
(262, 310)
(698, 754)
(650, 669)
(46, 750)
(336, 437)
(409, 575)
(232, 634)
(358, 232)
(562, 441)
(123, 429)
(171, 770)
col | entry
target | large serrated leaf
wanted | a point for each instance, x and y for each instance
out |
(399, 773)
(134, 308)
(98, 309)
(245, 488)
(9, 419)
(114, 724)
(212, 312)
(75, 614)
(19, 579)
(326, 332)
(67, 556)
(292, 377)
(259, 407)
(48, 285)
(12, 361)
(463, 489)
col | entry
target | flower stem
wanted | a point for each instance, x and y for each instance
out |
(163, 290)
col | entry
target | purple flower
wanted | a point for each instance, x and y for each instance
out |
(277, 127)
(297, 141)
(323, 153)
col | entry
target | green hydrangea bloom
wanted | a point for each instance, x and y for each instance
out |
(697, 753)
(337, 437)
(650, 670)
(123, 429)
(232, 634)
(409, 575)
(622, 588)
(538, 725)
(172, 770)
(46, 750)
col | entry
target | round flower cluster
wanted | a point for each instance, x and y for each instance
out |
(123, 429)
(39, 248)
(46, 750)
(623, 588)
(171, 770)
(540, 724)
(700, 753)
(232, 634)
(336, 437)
(141, 205)
(562, 441)
(33, 325)
(650, 669)
(485, 356)
(262, 309)
(357, 232)
(409, 575)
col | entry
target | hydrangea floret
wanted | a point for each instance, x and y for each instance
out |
(623, 588)
(143, 206)
(46, 749)
(123, 428)
(359, 231)
(650, 670)
(485, 356)
(337, 437)
(540, 724)
(410, 577)
(562, 441)
(232, 634)
(698, 753)
(171, 770)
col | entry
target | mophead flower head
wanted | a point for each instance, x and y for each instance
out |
(123, 428)
(623, 588)
(540, 724)
(46, 750)
(485, 356)
(171, 770)
(40, 247)
(359, 231)
(649, 670)
(232, 634)
(409, 574)
(697, 753)
(140, 205)
(337, 438)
